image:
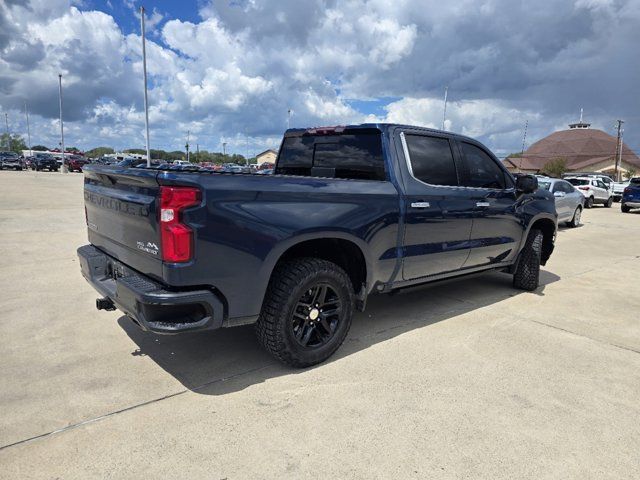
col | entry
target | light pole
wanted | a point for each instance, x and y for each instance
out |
(444, 111)
(144, 70)
(224, 149)
(6, 122)
(187, 145)
(288, 119)
(64, 166)
(26, 112)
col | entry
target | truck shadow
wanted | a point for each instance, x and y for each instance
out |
(229, 360)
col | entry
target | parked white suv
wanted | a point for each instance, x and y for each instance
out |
(593, 189)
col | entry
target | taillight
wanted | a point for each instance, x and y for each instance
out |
(627, 190)
(176, 237)
(584, 188)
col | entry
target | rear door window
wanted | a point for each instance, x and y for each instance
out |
(568, 188)
(481, 171)
(431, 160)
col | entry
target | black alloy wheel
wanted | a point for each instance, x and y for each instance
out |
(316, 316)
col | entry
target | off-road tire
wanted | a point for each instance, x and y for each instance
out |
(527, 274)
(609, 202)
(625, 209)
(573, 223)
(589, 203)
(288, 284)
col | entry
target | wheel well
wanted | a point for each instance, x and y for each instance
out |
(347, 255)
(548, 229)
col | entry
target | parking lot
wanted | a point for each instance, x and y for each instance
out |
(464, 379)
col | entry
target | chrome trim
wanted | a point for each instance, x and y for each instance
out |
(407, 158)
(483, 204)
(420, 205)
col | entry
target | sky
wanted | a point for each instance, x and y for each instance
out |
(228, 71)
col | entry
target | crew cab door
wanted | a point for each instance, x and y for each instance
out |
(437, 223)
(497, 229)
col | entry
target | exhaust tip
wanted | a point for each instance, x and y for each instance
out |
(105, 304)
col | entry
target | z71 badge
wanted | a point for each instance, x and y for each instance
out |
(150, 247)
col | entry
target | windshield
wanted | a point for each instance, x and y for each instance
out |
(544, 184)
(634, 181)
(578, 181)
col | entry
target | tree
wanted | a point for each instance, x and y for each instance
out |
(99, 152)
(13, 143)
(629, 174)
(40, 148)
(555, 167)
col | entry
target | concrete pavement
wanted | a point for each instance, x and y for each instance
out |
(466, 379)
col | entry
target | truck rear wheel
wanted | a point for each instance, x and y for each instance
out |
(307, 311)
(527, 275)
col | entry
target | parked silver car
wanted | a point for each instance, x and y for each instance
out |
(569, 201)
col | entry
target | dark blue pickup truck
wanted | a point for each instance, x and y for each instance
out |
(350, 211)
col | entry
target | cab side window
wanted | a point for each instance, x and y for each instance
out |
(481, 171)
(432, 160)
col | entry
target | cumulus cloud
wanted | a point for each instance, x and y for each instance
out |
(234, 73)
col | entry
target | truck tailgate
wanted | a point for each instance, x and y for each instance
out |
(121, 208)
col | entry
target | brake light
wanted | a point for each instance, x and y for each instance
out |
(325, 130)
(176, 237)
(584, 188)
(627, 190)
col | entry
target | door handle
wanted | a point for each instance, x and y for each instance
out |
(483, 204)
(420, 204)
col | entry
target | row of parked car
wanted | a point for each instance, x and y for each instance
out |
(577, 191)
(40, 161)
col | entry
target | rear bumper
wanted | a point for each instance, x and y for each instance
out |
(631, 204)
(148, 303)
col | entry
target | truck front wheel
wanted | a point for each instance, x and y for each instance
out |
(307, 311)
(527, 274)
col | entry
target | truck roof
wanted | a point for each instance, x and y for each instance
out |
(368, 126)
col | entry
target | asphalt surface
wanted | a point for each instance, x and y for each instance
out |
(466, 379)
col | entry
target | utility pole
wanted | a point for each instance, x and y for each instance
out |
(246, 159)
(618, 150)
(524, 139)
(26, 112)
(64, 166)
(144, 70)
(187, 145)
(6, 122)
(224, 149)
(444, 111)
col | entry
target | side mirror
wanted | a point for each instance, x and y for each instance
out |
(526, 183)
(558, 194)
